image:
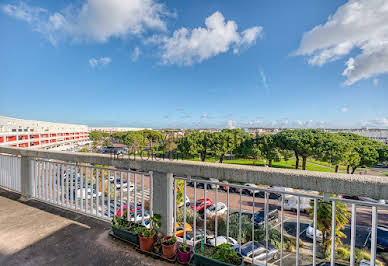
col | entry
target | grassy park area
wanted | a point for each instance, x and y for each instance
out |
(312, 165)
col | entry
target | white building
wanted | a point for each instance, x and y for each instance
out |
(38, 134)
(111, 130)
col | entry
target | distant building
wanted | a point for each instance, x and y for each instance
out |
(39, 134)
(111, 130)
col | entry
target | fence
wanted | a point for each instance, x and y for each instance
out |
(75, 181)
(10, 172)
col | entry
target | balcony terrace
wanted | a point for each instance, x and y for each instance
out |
(56, 222)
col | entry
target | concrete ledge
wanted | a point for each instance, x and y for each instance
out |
(361, 185)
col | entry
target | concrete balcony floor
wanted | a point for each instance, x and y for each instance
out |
(35, 233)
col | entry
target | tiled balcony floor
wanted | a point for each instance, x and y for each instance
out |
(35, 233)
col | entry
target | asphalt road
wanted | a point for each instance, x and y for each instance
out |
(363, 218)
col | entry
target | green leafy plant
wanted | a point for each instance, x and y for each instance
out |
(123, 224)
(170, 241)
(225, 253)
(150, 232)
(184, 247)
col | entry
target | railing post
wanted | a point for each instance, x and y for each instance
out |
(162, 200)
(26, 177)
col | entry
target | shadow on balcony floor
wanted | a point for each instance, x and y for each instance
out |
(35, 233)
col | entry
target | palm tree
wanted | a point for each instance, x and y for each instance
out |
(324, 214)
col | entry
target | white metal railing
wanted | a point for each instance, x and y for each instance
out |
(73, 181)
(10, 172)
(96, 191)
(241, 196)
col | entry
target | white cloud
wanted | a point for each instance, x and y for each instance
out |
(135, 54)
(204, 116)
(99, 62)
(263, 79)
(375, 123)
(344, 109)
(94, 20)
(359, 24)
(187, 47)
(375, 82)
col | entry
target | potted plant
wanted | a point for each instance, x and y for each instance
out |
(223, 254)
(169, 246)
(126, 230)
(184, 253)
(147, 235)
(158, 244)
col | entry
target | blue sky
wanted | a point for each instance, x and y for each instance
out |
(196, 63)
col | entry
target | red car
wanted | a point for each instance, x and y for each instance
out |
(132, 208)
(200, 204)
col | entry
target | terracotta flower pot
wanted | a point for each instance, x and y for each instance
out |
(146, 243)
(184, 257)
(168, 250)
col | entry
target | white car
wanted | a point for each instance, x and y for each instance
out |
(219, 208)
(139, 216)
(131, 187)
(380, 201)
(291, 203)
(90, 192)
(223, 240)
(213, 186)
(118, 184)
(364, 262)
(257, 251)
(310, 233)
(183, 202)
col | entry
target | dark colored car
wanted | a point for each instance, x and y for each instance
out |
(273, 216)
(382, 237)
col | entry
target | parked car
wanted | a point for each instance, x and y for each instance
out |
(118, 208)
(258, 252)
(198, 236)
(219, 209)
(222, 240)
(209, 186)
(139, 216)
(90, 192)
(183, 203)
(231, 188)
(180, 228)
(112, 178)
(191, 183)
(291, 203)
(248, 191)
(213, 186)
(273, 216)
(310, 233)
(381, 201)
(216, 209)
(274, 195)
(118, 183)
(382, 237)
(200, 204)
(364, 262)
(348, 197)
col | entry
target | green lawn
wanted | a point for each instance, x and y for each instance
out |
(290, 164)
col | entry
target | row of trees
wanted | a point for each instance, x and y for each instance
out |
(336, 148)
(346, 149)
